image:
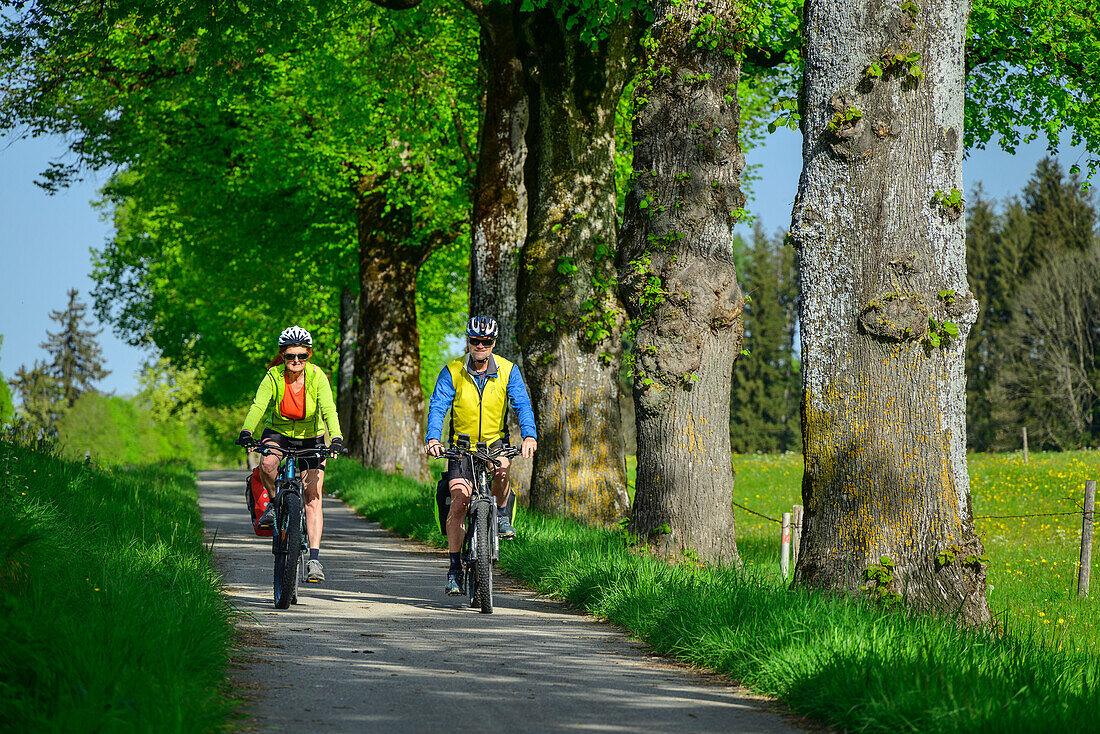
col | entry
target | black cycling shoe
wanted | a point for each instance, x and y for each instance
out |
(453, 588)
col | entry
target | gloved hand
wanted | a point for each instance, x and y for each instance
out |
(337, 446)
(245, 438)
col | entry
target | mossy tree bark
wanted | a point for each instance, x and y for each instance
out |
(570, 320)
(885, 307)
(388, 411)
(499, 222)
(345, 375)
(678, 278)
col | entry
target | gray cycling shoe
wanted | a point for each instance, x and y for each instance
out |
(267, 519)
(453, 588)
(504, 528)
(315, 572)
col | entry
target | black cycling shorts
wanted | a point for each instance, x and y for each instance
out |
(286, 442)
(464, 469)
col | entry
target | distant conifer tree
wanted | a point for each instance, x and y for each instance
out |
(1041, 236)
(765, 393)
(77, 360)
(40, 399)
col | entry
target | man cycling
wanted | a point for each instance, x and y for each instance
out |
(477, 389)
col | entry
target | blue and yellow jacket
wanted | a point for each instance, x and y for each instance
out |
(479, 407)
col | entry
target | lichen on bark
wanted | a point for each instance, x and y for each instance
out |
(678, 280)
(579, 469)
(883, 403)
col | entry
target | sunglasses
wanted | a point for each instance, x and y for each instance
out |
(481, 342)
(298, 357)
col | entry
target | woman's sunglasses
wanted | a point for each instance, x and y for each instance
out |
(296, 356)
(481, 342)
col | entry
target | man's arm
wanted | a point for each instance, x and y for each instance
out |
(521, 403)
(442, 397)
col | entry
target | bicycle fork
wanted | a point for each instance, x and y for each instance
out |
(494, 541)
(278, 538)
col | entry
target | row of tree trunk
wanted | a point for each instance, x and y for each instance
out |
(885, 302)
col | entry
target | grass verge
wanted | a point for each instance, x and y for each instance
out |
(835, 659)
(113, 619)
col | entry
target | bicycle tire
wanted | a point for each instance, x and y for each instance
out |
(483, 519)
(289, 534)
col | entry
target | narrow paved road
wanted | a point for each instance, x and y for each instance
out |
(379, 647)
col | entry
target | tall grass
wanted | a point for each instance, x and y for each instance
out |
(835, 659)
(112, 618)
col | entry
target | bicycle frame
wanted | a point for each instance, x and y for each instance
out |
(288, 480)
(482, 504)
(289, 484)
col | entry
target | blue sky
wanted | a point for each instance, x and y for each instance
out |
(46, 241)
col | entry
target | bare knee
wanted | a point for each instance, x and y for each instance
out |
(269, 465)
(460, 498)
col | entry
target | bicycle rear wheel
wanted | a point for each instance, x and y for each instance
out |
(483, 563)
(288, 531)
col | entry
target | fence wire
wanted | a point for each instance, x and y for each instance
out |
(976, 517)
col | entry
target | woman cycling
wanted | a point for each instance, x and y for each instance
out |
(303, 403)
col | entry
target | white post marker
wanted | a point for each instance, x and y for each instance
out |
(1084, 570)
(1025, 444)
(785, 546)
(796, 533)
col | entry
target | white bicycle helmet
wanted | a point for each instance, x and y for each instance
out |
(482, 326)
(295, 335)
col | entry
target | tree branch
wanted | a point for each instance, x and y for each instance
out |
(397, 4)
(471, 162)
(475, 6)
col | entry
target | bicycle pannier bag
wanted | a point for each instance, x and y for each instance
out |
(443, 502)
(255, 496)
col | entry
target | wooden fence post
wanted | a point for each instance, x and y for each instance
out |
(1025, 444)
(796, 533)
(1086, 539)
(785, 546)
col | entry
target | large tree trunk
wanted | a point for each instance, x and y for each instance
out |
(499, 224)
(678, 279)
(883, 268)
(345, 375)
(388, 431)
(570, 318)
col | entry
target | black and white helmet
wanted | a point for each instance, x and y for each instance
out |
(482, 326)
(295, 335)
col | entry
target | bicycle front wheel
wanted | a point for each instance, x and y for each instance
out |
(288, 530)
(483, 564)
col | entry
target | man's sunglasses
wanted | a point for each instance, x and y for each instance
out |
(296, 357)
(481, 342)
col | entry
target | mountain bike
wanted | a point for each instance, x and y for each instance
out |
(290, 540)
(481, 546)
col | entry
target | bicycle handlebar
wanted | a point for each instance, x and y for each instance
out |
(489, 457)
(268, 449)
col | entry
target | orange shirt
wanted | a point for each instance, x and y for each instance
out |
(293, 404)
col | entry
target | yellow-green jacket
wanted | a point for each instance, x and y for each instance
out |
(320, 409)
